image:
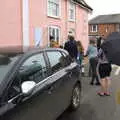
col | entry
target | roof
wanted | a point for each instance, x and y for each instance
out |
(84, 4)
(106, 19)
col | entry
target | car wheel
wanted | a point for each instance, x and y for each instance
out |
(76, 97)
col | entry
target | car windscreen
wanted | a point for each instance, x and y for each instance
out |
(6, 63)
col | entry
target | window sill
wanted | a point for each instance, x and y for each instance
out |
(55, 17)
(93, 31)
(71, 20)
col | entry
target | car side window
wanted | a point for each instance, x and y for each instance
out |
(68, 59)
(56, 59)
(34, 69)
(14, 89)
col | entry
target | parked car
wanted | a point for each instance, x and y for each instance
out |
(38, 85)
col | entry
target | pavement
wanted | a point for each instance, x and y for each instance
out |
(94, 107)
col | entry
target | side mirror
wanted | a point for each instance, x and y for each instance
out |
(27, 87)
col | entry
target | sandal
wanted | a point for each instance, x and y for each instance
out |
(101, 93)
(107, 94)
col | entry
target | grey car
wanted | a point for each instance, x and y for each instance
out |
(38, 85)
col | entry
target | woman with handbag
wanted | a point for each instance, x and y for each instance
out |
(104, 71)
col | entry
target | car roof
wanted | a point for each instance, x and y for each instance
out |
(35, 50)
(15, 51)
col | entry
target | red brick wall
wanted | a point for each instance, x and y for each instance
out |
(103, 30)
(106, 29)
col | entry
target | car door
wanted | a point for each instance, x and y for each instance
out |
(61, 79)
(39, 103)
(73, 73)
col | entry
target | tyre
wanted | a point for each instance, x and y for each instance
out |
(76, 97)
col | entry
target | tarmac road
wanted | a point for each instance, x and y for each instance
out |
(94, 107)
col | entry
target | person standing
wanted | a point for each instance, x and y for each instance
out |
(80, 56)
(98, 43)
(80, 52)
(100, 40)
(104, 70)
(93, 61)
(71, 47)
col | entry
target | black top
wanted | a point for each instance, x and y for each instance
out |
(71, 47)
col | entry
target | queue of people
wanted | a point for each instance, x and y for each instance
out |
(99, 66)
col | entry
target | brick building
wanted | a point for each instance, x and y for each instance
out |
(103, 25)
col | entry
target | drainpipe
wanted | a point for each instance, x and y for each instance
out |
(25, 25)
(66, 21)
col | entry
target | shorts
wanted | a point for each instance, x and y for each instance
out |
(105, 70)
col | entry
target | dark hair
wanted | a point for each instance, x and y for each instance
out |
(70, 37)
(79, 43)
(92, 41)
(61, 46)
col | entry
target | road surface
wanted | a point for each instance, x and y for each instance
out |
(94, 107)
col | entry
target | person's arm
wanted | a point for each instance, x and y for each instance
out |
(65, 46)
(100, 53)
(87, 52)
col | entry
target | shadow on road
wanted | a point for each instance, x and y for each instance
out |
(86, 112)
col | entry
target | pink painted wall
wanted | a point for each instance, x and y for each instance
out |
(82, 26)
(39, 18)
(10, 23)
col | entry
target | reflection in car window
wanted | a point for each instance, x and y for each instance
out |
(34, 69)
(6, 63)
(67, 59)
(56, 59)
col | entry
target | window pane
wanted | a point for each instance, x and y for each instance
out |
(34, 69)
(94, 28)
(54, 1)
(56, 60)
(57, 10)
(118, 27)
(71, 14)
(72, 11)
(54, 36)
(53, 33)
(53, 7)
(57, 35)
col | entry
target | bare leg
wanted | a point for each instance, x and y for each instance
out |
(108, 83)
(103, 85)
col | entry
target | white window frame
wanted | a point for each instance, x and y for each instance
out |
(92, 30)
(72, 4)
(54, 27)
(51, 15)
(118, 27)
